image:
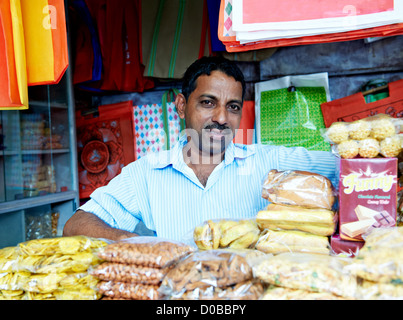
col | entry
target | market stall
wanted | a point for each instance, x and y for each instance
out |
(89, 87)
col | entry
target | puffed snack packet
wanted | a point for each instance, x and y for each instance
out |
(147, 251)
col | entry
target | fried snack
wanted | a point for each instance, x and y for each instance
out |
(57, 263)
(298, 188)
(281, 293)
(320, 222)
(203, 269)
(226, 233)
(83, 293)
(121, 272)
(369, 148)
(132, 291)
(348, 149)
(369, 290)
(359, 130)
(382, 127)
(380, 259)
(234, 236)
(277, 242)
(60, 245)
(338, 132)
(246, 290)
(8, 256)
(145, 251)
(391, 146)
(311, 272)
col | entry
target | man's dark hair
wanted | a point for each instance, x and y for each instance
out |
(204, 66)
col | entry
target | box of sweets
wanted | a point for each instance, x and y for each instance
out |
(367, 196)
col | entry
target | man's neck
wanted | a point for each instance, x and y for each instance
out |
(202, 164)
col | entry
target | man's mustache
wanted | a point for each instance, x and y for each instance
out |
(216, 126)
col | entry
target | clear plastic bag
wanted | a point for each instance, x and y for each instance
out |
(226, 233)
(204, 269)
(369, 290)
(121, 272)
(60, 245)
(380, 259)
(321, 222)
(131, 291)
(367, 138)
(298, 188)
(312, 272)
(276, 242)
(57, 263)
(282, 293)
(145, 251)
(246, 290)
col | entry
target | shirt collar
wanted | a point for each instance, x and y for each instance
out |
(174, 156)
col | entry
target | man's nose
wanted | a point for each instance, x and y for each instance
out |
(220, 115)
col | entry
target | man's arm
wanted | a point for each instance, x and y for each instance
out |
(88, 224)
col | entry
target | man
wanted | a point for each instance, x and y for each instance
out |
(204, 176)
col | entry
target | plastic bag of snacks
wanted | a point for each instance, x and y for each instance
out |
(282, 293)
(377, 135)
(276, 242)
(129, 291)
(299, 188)
(134, 267)
(60, 245)
(306, 271)
(211, 274)
(145, 251)
(237, 234)
(381, 257)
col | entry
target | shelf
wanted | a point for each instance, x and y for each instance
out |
(22, 204)
(47, 151)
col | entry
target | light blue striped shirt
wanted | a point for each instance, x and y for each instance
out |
(163, 192)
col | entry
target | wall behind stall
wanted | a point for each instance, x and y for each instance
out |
(349, 64)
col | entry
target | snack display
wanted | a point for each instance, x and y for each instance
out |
(145, 251)
(306, 271)
(380, 259)
(207, 274)
(373, 136)
(282, 293)
(320, 222)
(237, 234)
(298, 188)
(128, 291)
(135, 267)
(369, 290)
(276, 242)
(51, 269)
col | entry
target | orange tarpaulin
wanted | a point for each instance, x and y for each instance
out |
(13, 77)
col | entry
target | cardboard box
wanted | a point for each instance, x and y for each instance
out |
(345, 247)
(367, 196)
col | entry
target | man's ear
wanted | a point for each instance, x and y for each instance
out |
(180, 103)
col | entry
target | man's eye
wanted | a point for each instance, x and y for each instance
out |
(234, 107)
(207, 102)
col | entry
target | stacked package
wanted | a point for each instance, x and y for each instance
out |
(226, 233)
(379, 265)
(300, 216)
(370, 137)
(216, 274)
(306, 276)
(50, 269)
(134, 268)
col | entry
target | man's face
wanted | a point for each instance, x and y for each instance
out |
(213, 112)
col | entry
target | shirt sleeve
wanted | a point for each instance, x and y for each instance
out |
(116, 203)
